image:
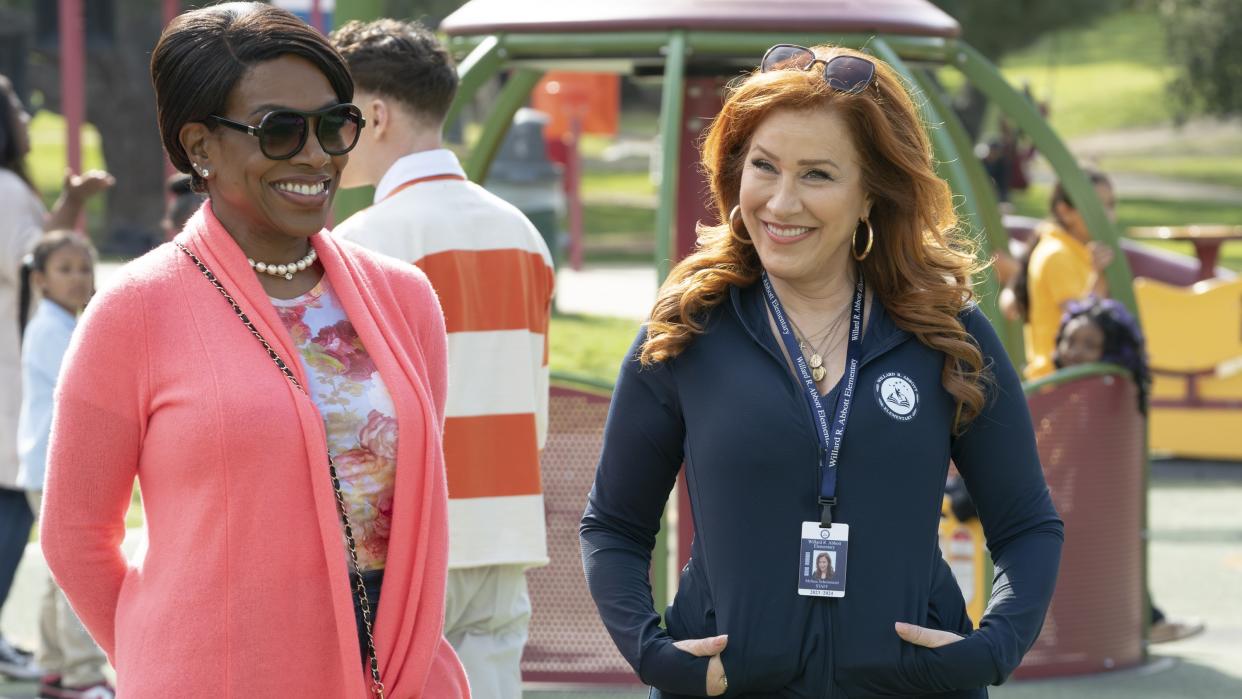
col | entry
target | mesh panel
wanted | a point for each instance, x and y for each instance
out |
(568, 643)
(1090, 437)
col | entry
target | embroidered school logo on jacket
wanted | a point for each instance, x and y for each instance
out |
(897, 396)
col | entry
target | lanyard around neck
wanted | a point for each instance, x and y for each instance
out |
(829, 431)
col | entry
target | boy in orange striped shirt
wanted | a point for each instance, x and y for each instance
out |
(494, 277)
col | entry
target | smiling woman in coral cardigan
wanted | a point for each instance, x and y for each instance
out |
(263, 382)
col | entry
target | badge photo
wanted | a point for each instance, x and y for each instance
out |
(821, 564)
(897, 395)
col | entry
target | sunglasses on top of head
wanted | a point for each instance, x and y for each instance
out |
(844, 73)
(282, 133)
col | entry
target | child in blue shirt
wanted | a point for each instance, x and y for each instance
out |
(62, 269)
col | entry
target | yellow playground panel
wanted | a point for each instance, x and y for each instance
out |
(1194, 339)
(963, 546)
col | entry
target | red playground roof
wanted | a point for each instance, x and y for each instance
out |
(903, 17)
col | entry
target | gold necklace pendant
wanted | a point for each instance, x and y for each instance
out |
(816, 360)
(818, 372)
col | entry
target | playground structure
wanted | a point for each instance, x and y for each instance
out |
(1194, 339)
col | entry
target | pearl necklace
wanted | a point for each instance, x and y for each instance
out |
(286, 270)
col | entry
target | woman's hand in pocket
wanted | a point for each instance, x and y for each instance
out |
(923, 636)
(711, 648)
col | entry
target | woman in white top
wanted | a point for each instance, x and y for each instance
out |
(22, 223)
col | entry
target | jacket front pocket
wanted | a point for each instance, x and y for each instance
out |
(692, 614)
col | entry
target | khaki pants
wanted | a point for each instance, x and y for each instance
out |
(487, 611)
(65, 648)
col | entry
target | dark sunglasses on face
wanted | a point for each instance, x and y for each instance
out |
(848, 74)
(282, 133)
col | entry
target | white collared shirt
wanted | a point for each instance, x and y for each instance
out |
(440, 161)
(493, 275)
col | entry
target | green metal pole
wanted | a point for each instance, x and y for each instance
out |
(951, 166)
(987, 212)
(671, 98)
(363, 10)
(983, 75)
(484, 62)
(512, 96)
(350, 201)
(670, 147)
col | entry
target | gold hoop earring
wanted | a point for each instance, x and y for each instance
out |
(735, 215)
(854, 241)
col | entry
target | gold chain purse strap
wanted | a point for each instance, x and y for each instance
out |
(377, 686)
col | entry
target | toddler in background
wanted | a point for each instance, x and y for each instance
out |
(62, 269)
(1102, 330)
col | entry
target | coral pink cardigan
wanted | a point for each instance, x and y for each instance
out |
(243, 589)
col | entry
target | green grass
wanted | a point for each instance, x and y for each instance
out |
(47, 161)
(618, 218)
(1221, 169)
(590, 346)
(1105, 76)
(605, 184)
(1089, 98)
(1134, 36)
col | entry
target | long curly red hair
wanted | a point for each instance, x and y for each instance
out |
(921, 262)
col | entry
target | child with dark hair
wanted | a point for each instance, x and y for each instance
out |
(1061, 264)
(1102, 330)
(23, 219)
(62, 270)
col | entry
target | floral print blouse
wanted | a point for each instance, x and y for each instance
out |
(358, 413)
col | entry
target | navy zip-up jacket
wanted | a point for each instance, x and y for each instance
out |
(729, 408)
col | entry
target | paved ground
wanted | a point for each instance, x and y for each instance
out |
(1196, 554)
(1196, 559)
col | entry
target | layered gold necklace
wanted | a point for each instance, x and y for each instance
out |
(805, 344)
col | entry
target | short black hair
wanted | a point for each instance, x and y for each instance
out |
(1061, 196)
(1123, 339)
(401, 60)
(203, 53)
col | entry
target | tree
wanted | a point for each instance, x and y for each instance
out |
(998, 27)
(120, 103)
(1205, 42)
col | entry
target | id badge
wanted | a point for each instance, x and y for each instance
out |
(822, 564)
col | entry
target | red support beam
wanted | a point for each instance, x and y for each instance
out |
(171, 8)
(72, 78)
(317, 16)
